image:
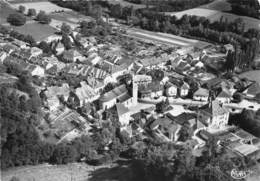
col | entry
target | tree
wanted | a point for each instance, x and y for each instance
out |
(64, 154)
(66, 41)
(31, 12)
(108, 87)
(65, 29)
(16, 19)
(4, 29)
(45, 47)
(237, 97)
(29, 39)
(21, 9)
(43, 18)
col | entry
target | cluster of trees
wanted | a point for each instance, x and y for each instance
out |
(19, 19)
(175, 162)
(16, 19)
(31, 11)
(97, 28)
(20, 141)
(246, 8)
(26, 38)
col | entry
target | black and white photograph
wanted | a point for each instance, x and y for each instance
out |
(130, 90)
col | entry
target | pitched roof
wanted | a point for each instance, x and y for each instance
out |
(217, 109)
(224, 94)
(60, 45)
(121, 109)
(201, 92)
(90, 70)
(114, 94)
(85, 91)
(70, 54)
(151, 87)
(253, 89)
(55, 91)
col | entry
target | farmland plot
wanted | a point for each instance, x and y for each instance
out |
(48, 7)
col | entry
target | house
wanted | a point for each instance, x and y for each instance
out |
(72, 56)
(94, 59)
(252, 90)
(52, 65)
(116, 70)
(117, 95)
(152, 62)
(224, 96)
(201, 95)
(184, 89)
(123, 114)
(53, 93)
(96, 84)
(165, 129)
(35, 51)
(20, 44)
(86, 94)
(9, 48)
(87, 70)
(84, 42)
(171, 90)
(151, 90)
(53, 38)
(214, 116)
(229, 47)
(36, 70)
(60, 48)
(3, 56)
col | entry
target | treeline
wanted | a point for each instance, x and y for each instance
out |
(171, 5)
(246, 8)
(177, 5)
(175, 162)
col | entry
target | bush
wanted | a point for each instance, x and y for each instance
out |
(16, 19)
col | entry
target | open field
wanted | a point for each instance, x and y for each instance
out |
(75, 171)
(253, 75)
(218, 5)
(38, 31)
(125, 3)
(70, 17)
(46, 6)
(165, 38)
(24, 1)
(214, 15)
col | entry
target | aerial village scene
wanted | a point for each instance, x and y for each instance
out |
(117, 90)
